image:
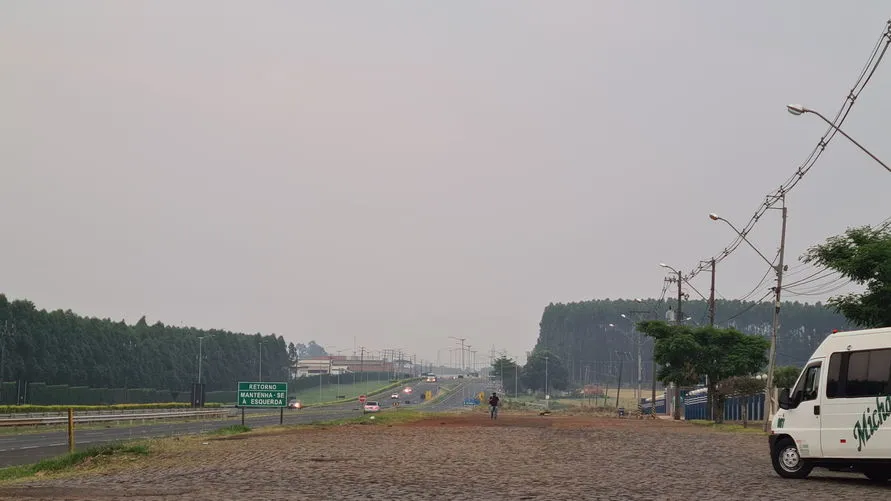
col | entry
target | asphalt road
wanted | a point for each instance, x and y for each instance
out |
(32, 447)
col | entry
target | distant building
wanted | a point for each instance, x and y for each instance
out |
(339, 365)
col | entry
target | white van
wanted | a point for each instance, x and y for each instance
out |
(838, 415)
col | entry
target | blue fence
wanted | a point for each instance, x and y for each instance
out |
(695, 407)
(660, 405)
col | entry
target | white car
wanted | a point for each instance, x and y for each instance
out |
(395, 396)
(372, 407)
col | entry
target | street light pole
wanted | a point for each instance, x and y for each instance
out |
(200, 339)
(547, 393)
(769, 401)
(711, 298)
(678, 319)
(462, 339)
(260, 369)
(797, 109)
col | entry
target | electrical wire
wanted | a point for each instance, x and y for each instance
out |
(746, 309)
(696, 290)
(822, 292)
(815, 277)
(665, 283)
(869, 69)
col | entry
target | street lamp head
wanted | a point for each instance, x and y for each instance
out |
(714, 217)
(623, 315)
(795, 109)
(664, 265)
(612, 325)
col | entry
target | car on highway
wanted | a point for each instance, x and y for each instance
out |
(295, 404)
(395, 396)
(371, 406)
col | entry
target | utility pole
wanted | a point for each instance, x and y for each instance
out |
(260, 369)
(639, 369)
(516, 377)
(679, 319)
(779, 268)
(711, 298)
(619, 384)
(462, 339)
(710, 397)
(3, 336)
(769, 400)
(200, 338)
(362, 362)
(547, 393)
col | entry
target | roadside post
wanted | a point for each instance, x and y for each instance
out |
(263, 395)
(70, 430)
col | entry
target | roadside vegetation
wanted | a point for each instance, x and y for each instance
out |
(93, 455)
(26, 409)
(726, 427)
(234, 429)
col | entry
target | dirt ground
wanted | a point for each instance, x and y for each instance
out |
(517, 457)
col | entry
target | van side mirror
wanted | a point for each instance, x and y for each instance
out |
(784, 400)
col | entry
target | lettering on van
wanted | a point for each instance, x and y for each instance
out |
(871, 421)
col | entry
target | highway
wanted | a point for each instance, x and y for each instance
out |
(32, 447)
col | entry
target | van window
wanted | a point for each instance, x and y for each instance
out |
(855, 374)
(809, 385)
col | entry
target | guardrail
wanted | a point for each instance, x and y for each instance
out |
(56, 420)
(103, 412)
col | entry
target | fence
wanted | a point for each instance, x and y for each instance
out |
(12, 393)
(36, 393)
(646, 405)
(696, 406)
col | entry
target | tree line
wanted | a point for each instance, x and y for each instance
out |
(63, 348)
(593, 339)
(590, 336)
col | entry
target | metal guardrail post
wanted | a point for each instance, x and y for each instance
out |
(70, 430)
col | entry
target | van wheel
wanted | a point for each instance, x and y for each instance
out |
(877, 474)
(787, 462)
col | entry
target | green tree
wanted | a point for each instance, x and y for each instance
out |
(785, 376)
(544, 369)
(688, 354)
(862, 254)
(675, 350)
(507, 370)
(727, 353)
(61, 348)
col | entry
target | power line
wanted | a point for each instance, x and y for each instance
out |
(875, 59)
(814, 277)
(829, 290)
(754, 304)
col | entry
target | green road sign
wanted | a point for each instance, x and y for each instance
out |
(262, 394)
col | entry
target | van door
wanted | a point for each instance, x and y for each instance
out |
(857, 405)
(802, 421)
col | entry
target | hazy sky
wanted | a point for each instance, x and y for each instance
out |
(400, 172)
